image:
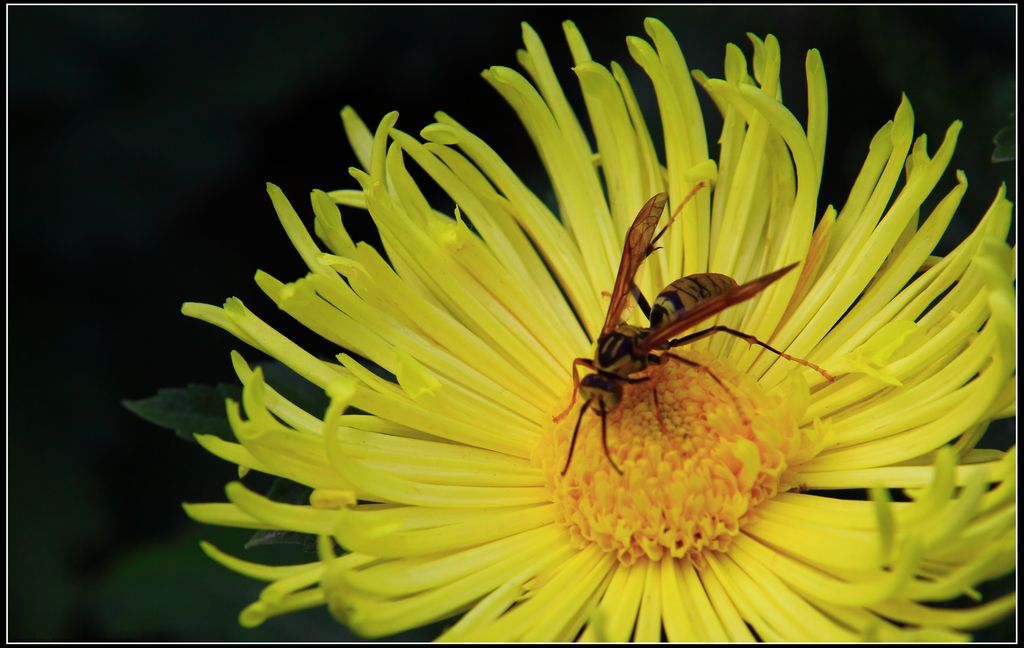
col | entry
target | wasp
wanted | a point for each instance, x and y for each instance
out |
(624, 349)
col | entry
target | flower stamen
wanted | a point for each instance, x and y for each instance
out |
(694, 466)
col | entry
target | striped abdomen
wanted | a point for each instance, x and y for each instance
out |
(682, 294)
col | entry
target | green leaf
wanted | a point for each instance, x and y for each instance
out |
(1005, 145)
(199, 409)
(170, 591)
(268, 538)
(295, 388)
(288, 492)
(195, 409)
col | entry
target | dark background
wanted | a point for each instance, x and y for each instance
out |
(140, 140)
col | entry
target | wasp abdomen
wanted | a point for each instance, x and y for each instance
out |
(683, 294)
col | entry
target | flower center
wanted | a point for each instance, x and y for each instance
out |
(695, 461)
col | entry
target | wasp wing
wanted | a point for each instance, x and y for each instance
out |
(638, 241)
(709, 308)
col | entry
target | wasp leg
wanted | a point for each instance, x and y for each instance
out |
(750, 339)
(633, 381)
(657, 411)
(572, 442)
(679, 208)
(641, 301)
(604, 438)
(589, 364)
(697, 365)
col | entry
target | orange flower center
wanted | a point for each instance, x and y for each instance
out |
(696, 460)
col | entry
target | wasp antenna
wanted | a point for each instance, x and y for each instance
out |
(604, 440)
(572, 442)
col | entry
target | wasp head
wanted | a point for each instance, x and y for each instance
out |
(603, 391)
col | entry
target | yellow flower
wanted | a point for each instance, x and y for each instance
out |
(441, 494)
